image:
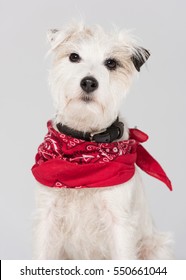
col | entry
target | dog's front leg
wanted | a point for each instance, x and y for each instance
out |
(48, 238)
(120, 221)
(122, 245)
(47, 242)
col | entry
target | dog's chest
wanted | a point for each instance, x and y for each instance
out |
(83, 223)
(85, 217)
(78, 217)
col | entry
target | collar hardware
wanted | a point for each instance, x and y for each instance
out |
(113, 132)
(92, 134)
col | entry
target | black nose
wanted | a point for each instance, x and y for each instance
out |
(89, 84)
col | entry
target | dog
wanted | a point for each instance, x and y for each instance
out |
(87, 205)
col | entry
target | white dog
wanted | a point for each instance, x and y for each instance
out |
(88, 205)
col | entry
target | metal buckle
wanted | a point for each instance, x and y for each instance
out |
(120, 127)
(92, 134)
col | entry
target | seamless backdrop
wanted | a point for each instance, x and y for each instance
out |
(156, 103)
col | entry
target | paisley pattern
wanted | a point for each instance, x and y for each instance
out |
(66, 162)
(64, 147)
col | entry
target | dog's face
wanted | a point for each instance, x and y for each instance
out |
(91, 73)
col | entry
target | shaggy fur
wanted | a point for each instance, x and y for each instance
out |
(104, 223)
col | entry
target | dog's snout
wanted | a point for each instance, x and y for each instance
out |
(89, 84)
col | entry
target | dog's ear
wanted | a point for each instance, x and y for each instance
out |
(139, 57)
(52, 34)
(55, 37)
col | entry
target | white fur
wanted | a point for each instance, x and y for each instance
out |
(104, 223)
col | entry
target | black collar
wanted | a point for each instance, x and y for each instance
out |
(108, 135)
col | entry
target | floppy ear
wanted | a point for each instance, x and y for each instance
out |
(140, 57)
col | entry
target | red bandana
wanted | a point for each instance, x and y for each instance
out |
(66, 162)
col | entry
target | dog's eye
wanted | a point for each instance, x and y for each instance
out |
(111, 64)
(74, 57)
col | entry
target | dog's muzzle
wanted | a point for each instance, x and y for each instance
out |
(89, 84)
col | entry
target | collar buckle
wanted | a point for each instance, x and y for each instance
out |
(107, 135)
(92, 134)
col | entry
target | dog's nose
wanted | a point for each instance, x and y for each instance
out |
(89, 84)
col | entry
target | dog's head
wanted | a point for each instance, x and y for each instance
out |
(91, 73)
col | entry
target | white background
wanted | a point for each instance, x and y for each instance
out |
(156, 103)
